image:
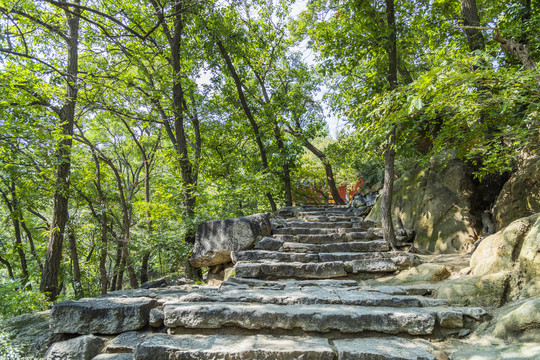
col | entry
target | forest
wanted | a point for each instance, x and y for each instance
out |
(124, 124)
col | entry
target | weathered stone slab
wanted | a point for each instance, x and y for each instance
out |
(269, 243)
(360, 246)
(363, 235)
(287, 296)
(380, 265)
(80, 348)
(230, 347)
(156, 317)
(370, 298)
(119, 356)
(311, 225)
(326, 270)
(349, 256)
(126, 342)
(256, 283)
(315, 231)
(273, 256)
(101, 315)
(299, 247)
(319, 318)
(382, 349)
(313, 238)
(216, 239)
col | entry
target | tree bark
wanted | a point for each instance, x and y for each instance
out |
(249, 115)
(13, 208)
(388, 189)
(389, 155)
(328, 170)
(51, 268)
(8, 266)
(77, 285)
(469, 13)
(116, 268)
(104, 230)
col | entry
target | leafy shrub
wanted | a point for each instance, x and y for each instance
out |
(16, 300)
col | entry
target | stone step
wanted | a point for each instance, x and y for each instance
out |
(332, 218)
(299, 284)
(108, 315)
(350, 256)
(308, 295)
(232, 347)
(356, 262)
(356, 246)
(328, 238)
(273, 256)
(324, 213)
(318, 318)
(326, 270)
(383, 349)
(267, 347)
(380, 265)
(350, 247)
(313, 224)
(317, 231)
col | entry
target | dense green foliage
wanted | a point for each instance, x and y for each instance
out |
(195, 110)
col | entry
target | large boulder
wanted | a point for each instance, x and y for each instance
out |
(487, 290)
(108, 315)
(438, 204)
(520, 196)
(517, 244)
(217, 238)
(522, 323)
(81, 348)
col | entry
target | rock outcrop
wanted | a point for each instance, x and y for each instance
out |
(216, 239)
(439, 205)
(520, 196)
(504, 267)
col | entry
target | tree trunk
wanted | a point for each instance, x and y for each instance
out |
(469, 13)
(116, 268)
(77, 285)
(388, 189)
(51, 268)
(104, 229)
(178, 100)
(120, 277)
(249, 115)
(329, 172)
(389, 155)
(31, 242)
(8, 266)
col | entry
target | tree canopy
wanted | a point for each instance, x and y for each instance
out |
(123, 124)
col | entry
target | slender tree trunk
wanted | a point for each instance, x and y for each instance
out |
(120, 278)
(8, 266)
(77, 285)
(389, 155)
(146, 255)
(329, 172)
(31, 242)
(285, 169)
(51, 268)
(249, 115)
(469, 13)
(103, 255)
(104, 229)
(179, 111)
(116, 268)
(388, 189)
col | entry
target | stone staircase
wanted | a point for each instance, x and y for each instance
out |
(295, 296)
